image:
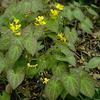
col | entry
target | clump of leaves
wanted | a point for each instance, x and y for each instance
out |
(27, 27)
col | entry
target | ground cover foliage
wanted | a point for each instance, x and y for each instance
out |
(49, 50)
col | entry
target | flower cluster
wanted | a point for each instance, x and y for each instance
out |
(55, 12)
(61, 37)
(15, 26)
(59, 6)
(45, 80)
(31, 66)
(40, 20)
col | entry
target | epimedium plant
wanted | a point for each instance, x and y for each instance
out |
(36, 35)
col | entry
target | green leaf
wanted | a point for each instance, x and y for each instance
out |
(52, 25)
(4, 29)
(44, 62)
(2, 63)
(49, 58)
(53, 89)
(31, 72)
(1, 54)
(23, 6)
(88, 22)
(38, 33)
(6, 3)
(93, 63)
(69, 59)
(40, 46)
(74, 35)
(71, 46)
(17, 41)
(15, 78)
(69, 55)
(67, 32)
(30, 43)
(21, 62)
(71, 35)
(87, 86)
(77, 4)
(27, 30)
(92, 12)
(4, 42)
(71, 83)
(10, 11)
(27, 5)
(4, 96)
(13, 54)
(67, 13)
(58, 70)
(36, 5)
(65, 50)
(2, 20)
(85, 27)
(64, 94)
(78, 14)
(60, 57)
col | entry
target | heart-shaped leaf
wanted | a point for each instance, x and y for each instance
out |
(13, 54)
(67, 12)
(53, 89)
(93, 63)
(78, 14)
(15, 78)
(30, 43)
(87, 86)
(70, 34)
(2, 63)
(37, 5)
(4, 41)
(71, 83)
(53, 25)
(92, 12)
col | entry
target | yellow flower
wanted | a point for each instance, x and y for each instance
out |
(12, 27)
(45, 80)
(59, 6)
(39, 18)
(37, 24)
(40, 21)
(18, 33)
(54, 13)
(16, 21)
(61, 37)
(31, 66)
(15, 26)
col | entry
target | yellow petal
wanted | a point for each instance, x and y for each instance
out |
(45, 80)
(54, 12)
(16, 20)
(18, 33)
(59, 6)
